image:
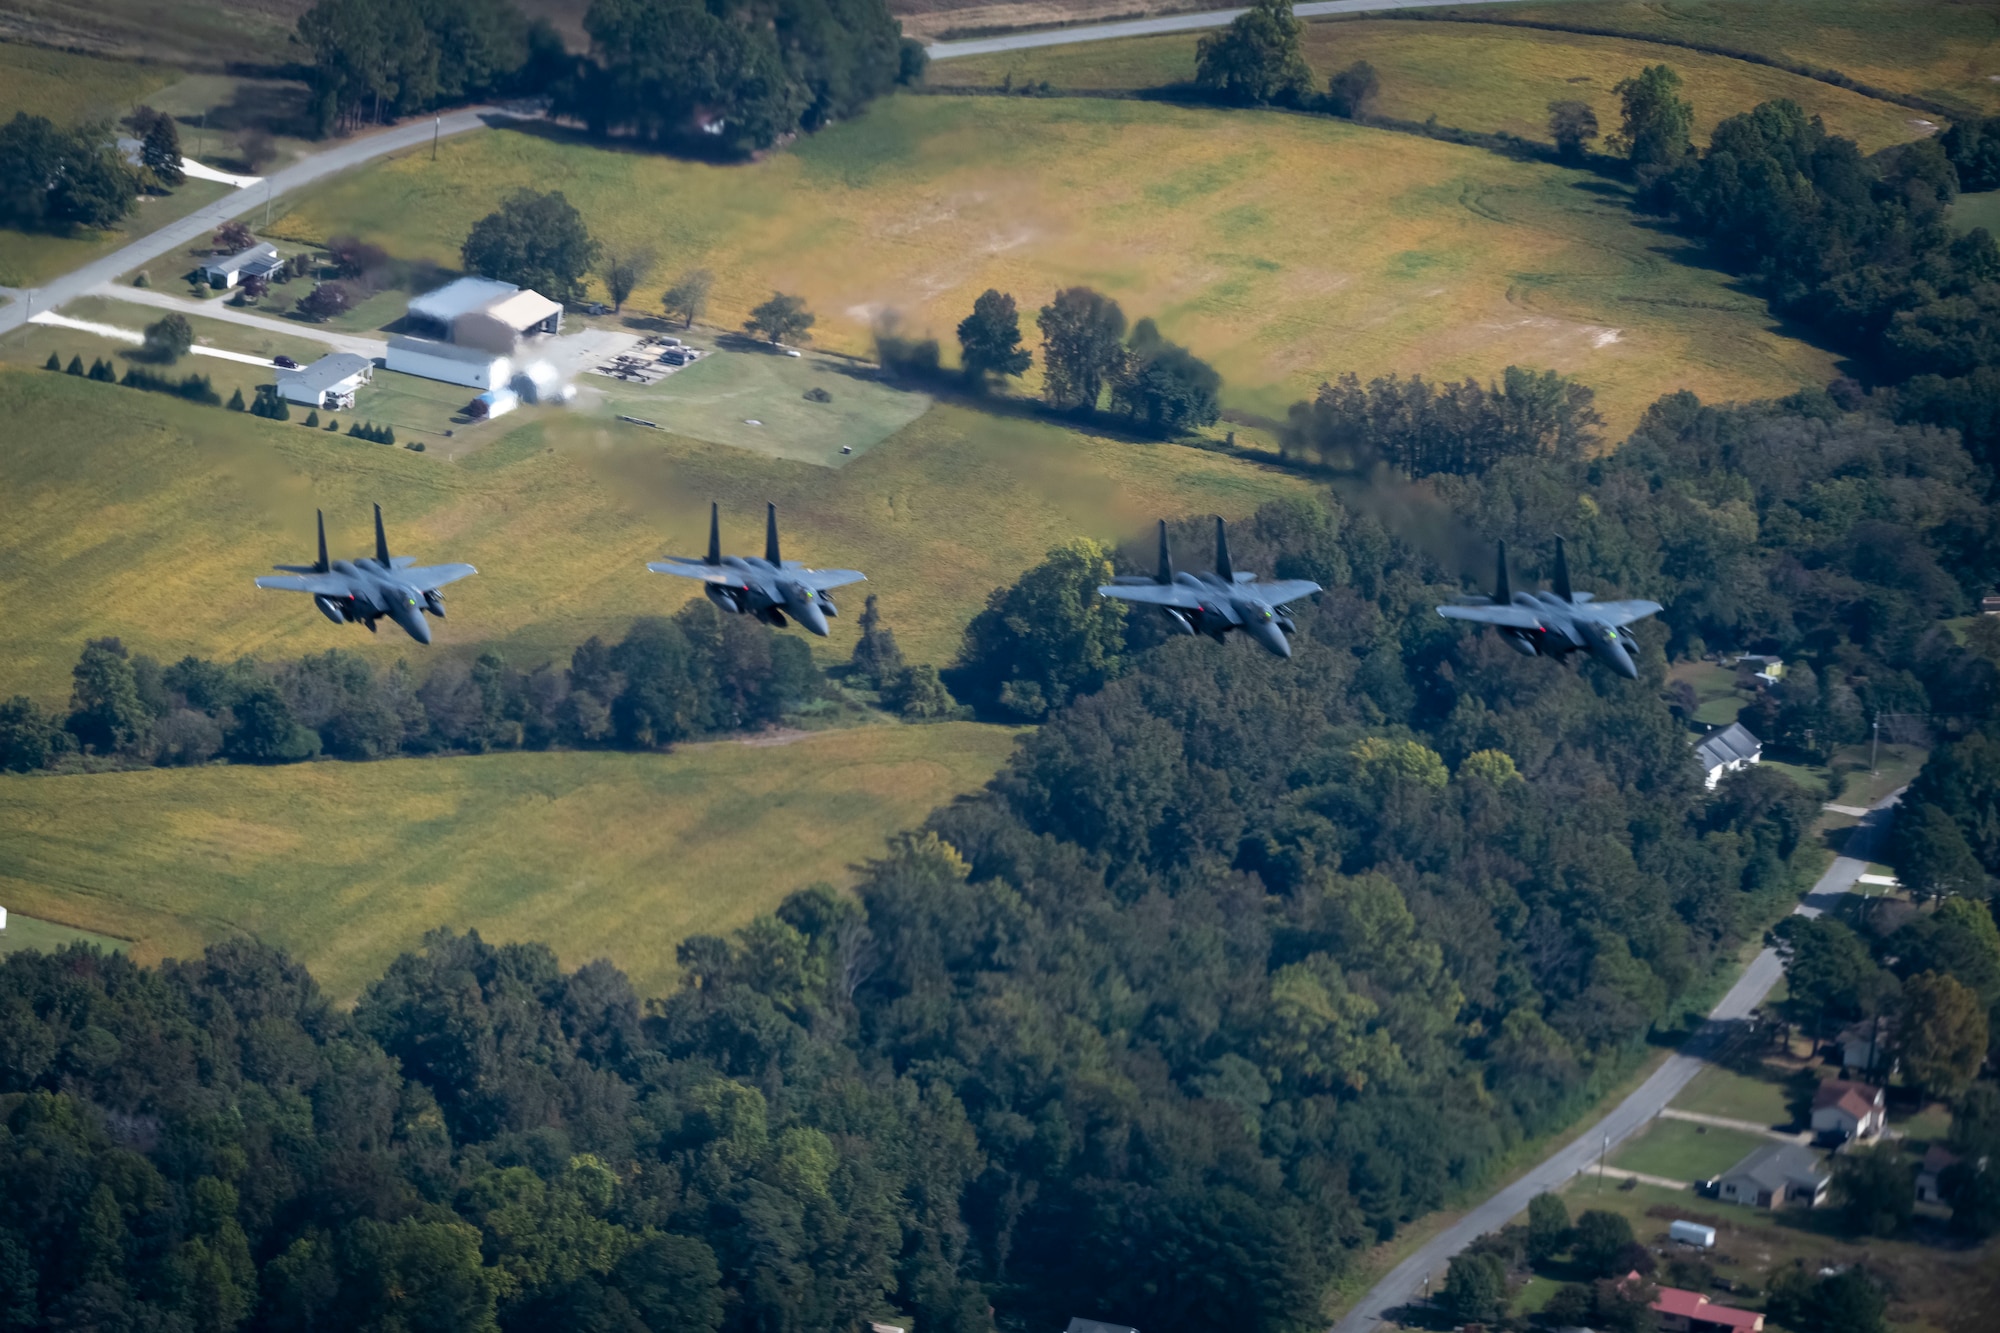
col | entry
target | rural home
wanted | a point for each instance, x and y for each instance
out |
(1691, 1312)
(1845, 1112)
(473, 367)
(327, 382)
(1989, 605)
(1775, 1175)
(484, 313)
(259, 261)
(1728, 750)
(1865, 1046)
(1930, 1176)
(1096, 1326)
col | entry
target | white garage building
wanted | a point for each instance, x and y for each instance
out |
(327, 382)
(474, 367)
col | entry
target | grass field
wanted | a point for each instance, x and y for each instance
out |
(1682, 1150)
(1949, 52)
(1762, 1098)
(73, 89)
(1977, 210)
(600, 855)
(204, 35)
(27, 258)
(142, 516)
(1476, 76)
(27, 932)
(1285, 249)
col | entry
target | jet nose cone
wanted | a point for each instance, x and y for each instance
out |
(1273, 638)
(420, 630)
(807, 613)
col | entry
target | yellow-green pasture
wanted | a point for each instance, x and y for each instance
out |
(1475, 76)
(209, 34)
(70, 88)
(143, 516)
(619, 856)
(1950, 52)
(27, 932)
(1285, 249)
(27, 258)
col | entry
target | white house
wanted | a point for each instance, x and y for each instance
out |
(327, 382)
(259, 261)
(474, 367)
(1845, 1112)
(1728, 750)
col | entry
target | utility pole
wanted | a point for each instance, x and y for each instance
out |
(1874, 743)
(267, 201)
(1603, 1153)
(201, 135)
(437, 129)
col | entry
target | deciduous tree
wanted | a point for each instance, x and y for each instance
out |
(1940, 1034)
(780, 320)
(688, 297)
(1572, 125)
(989, 339)
(535, 239)
(1258, 59)
(1082, 347)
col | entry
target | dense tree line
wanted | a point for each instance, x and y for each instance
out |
(698, 673)
(1421, 429)
(376, 60)
(58, 180)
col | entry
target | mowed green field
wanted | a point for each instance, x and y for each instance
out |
(1475, 76)
(619, 856)
(70, 88)
(27, 932)
(139, 515)
(1682, 1150)
(1946, 51)
(1284, 249)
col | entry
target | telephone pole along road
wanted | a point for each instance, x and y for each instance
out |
(305, 171)
(1407, 1279)
(1214, 18)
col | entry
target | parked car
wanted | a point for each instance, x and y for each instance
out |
(284, 363)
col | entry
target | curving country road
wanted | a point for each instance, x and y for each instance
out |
(1408, 1280)
(1214, 18)
(305, 171)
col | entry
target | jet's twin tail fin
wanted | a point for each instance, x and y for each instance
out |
(1503, 589)
(771, 534)
(1561, 588)
(714, 533)
(381, 542)
(1223, 570)
(324, 566)
(1166, 571)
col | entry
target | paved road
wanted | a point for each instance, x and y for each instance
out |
(360, 344)
(176, 235)
(1405, 1282)
(1214, 18)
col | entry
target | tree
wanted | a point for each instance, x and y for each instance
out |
(233, 237)
(1082, 347)
(673, 1282)
(688, 297)
(169, 338)
(326, 300)
(623, 272)
(55, 179)
(1972, 1188)
(1548, 1227)
(30, 736)
(1941, 1034)
(989, 339)
(1049, 636)
(917, 692)
(1572, 125)
(160, 146)
(1258, 59)
(780, 320)
(535, 240)
(1875, 1188)
(236, 400)
(258, 149)
(105, 713)
(1829, 973)
(1352, 91)
(1843, 1302)
(256, 286)
(1571, 1306)
(877, 659)
(1475, 1287)
(1932, 858)
(1599, 1242)
(1164, 388)
(1658, 124)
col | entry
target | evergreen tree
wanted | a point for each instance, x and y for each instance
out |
(76, 364)
(160, 147)
(236, 401)
(53, 363)
(312, 416)
(877, 660)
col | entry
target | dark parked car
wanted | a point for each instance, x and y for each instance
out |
(284, 362)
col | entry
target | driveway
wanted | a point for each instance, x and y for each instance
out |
(358, 343)
(178, 235)
(1214, 18)
(1407, 1280)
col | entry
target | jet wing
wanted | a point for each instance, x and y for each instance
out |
(436, 576)
(1514, 617)
(330, 585)
(822, 579)
(1285, 590)
(1622, 613)
(689, 569)
(401, 561)
(1158, 594)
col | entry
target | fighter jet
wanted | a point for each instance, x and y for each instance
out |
(367, 589)
(1217, 602)
(769, 589)
(1559, 622)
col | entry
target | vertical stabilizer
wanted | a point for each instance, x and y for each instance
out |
(323, 566)
(714, 533)
(1223, 570)
(1503, 589)
(1562, 573)
(1166, 570)
(381, 540)
(771, 534)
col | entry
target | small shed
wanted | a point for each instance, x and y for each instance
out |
(328, 382)
(429, 359)
(1726, 751)
(259, 261)
(493, 403)
(1989, 605)
(1692, 1233)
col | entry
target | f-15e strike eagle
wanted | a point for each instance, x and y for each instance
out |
(1558, 622)
(366, 589)
(770, 589)
(1217, 602)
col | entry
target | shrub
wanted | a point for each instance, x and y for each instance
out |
(53, 363)
(76, 365)
(312, 418)
(236, 401)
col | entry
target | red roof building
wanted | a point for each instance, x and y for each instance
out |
(1843, 1110)
(1691, 1312)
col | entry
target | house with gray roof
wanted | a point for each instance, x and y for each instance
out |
(259, 261)
(1776, 1175)
(1096, 1326)
(328, 382)
(1727, 750)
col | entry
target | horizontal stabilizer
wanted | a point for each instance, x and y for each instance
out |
(696, 570)
(437, 576)
(330, 585)
(1154, 594)
(1514, 617)
(822, 579)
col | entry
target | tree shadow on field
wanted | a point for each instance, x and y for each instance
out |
(684, 149)
(277, 107)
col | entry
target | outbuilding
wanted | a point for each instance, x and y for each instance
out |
(474, 367)
(330, 381)
(502, 325)
(493, 403)
(1692, 1233)
(259, 261)
(435, 314)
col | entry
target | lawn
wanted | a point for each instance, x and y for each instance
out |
(70, 88)
(1285, 249)
(27, 258)
(27, 932)
(1761, 1098)
(1681, 1150)
(599, 855)
(1476, 76)
(207, 332)
(142, 516)
(1714, 689)
(1976, 210)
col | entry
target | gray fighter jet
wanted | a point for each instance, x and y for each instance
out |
(367, 589)
(1217, 602)
(1558, 622)
(770, 589)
